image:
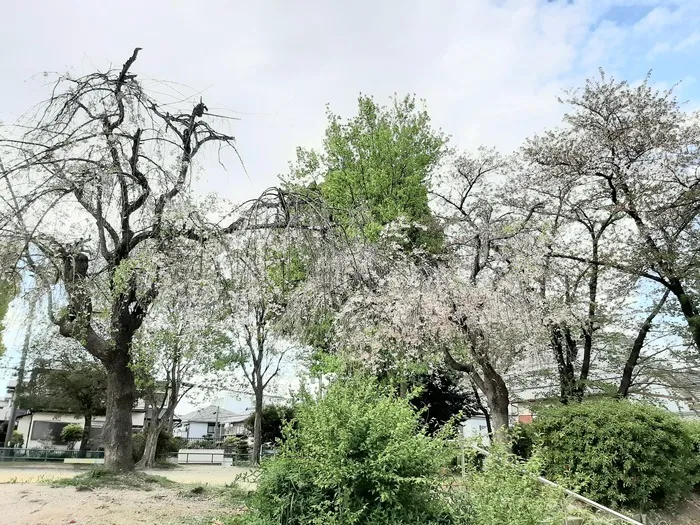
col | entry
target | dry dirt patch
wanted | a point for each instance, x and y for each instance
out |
(41, 504)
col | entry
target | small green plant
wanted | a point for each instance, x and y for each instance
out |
(618, 452)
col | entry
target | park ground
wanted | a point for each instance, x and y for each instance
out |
(192, 495)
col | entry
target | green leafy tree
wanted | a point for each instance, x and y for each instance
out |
(373, 169)
(73, 383)
(274, 418)
(442, 397)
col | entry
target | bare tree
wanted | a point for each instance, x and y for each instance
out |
(92, 180)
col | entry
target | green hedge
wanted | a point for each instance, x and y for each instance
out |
(618, 452)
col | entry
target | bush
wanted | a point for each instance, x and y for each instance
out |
(17, 440)
(72, 433)
(618, 452)
(167, 444)
(359, 455)
(236, 446)
(505, 491)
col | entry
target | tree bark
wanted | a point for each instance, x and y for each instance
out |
(148, 460)
(498, 400)
(117, 431)
(257, 426)
(85, 439)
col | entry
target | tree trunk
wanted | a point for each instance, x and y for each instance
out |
(148, 460)
(484, 410)
(257, 426)
(688, 308)
(116, 434)
(498, 400)
(633, 358)
(85, 439)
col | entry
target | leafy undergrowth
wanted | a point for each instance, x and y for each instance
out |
(99, 478)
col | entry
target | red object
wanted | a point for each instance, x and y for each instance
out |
(525, 418)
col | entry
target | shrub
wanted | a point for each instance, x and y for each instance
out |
(236, 446)
(17, 440)
(72, 433)
(359, 455)
(505, 491)
(618, 452)
(167, 444)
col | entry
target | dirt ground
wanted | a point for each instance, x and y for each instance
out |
(41, 504)
(193, 474)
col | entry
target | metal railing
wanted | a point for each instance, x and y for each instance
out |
(44, 454)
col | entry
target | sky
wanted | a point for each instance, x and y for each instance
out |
(490, 71)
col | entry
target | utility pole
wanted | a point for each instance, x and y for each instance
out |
(20, 376)
(216, 425)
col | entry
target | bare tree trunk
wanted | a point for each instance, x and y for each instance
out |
(633, 358)
(483, 409)
(498, 399)
(257, 426)
(117, 431)
(148, 460)
(85, 439)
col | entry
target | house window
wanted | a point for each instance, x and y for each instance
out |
(210, 428)
(48, 431)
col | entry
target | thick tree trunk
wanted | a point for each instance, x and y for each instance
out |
(257, 426)
(498, 400)
(85, 439)
(116, 434)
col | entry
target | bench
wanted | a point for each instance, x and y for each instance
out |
(85, 461)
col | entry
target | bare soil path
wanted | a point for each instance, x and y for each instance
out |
(41, 504)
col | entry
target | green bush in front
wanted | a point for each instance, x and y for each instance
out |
(359, 455)
(617, 452)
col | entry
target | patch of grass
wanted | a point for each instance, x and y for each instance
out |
(100, 478)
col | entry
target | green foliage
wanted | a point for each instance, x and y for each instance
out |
(373, 169)
(359, 455)
(17, 440)
(617, 452)
(238, 447)
(73, 383)
(72, 433)
(506, 491)
(274, 418)
(441, 397)
(167, 444)
(522, 438)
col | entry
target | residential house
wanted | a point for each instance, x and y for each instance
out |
(211, 422)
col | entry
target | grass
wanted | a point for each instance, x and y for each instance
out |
(232, 496)
(100, 478)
